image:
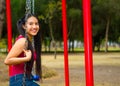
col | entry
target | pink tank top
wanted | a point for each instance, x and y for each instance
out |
(19, 68)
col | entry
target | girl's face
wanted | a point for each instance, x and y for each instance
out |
(32, 26)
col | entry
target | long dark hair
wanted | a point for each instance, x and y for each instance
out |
(37, 45)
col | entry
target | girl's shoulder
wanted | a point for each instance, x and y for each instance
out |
(19, 37)
(20, 40)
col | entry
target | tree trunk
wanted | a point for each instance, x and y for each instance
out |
(53, 42)
(72, 46)
(106, 34)
(2, 14)
(98, 47)
(70, 28)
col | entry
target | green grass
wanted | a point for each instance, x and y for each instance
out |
(3, 43)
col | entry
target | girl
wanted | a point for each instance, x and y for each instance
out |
(25, 51)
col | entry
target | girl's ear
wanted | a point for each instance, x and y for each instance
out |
(24, 26)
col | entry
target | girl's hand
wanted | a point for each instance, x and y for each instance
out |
(28, 54)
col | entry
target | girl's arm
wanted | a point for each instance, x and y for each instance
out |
(17, 49)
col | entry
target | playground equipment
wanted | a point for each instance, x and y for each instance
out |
(88, 42)
(87, 39)
(9, 27)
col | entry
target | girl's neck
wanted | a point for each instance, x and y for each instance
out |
(30, 38)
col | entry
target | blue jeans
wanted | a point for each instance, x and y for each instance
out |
(17, 80)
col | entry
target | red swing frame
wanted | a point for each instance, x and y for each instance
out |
(87, 40)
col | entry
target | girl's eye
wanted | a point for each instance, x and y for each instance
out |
(36, 24)
(30, 23)
(33, 23)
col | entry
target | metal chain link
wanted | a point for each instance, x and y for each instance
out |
(29, 6)
(33, 6)
(29, 9)
(24, 76)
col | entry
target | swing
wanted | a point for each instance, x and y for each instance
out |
(30, 9)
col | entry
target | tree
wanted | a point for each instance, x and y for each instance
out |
(51, 17)
(74, 19)
(103, 14)
(74, 25)
(2, 15)
(17, 11)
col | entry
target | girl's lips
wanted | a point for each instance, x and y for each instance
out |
(34, 31)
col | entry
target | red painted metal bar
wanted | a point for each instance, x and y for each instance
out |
(88, 42)
(64, 21)
(9, 28)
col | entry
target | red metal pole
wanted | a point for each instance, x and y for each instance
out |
(64, 21)
(88, 42)
(9, 26)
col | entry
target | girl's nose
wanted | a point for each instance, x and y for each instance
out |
(34, 25)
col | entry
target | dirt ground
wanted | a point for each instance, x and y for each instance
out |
(106, 70)
(103, 76)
